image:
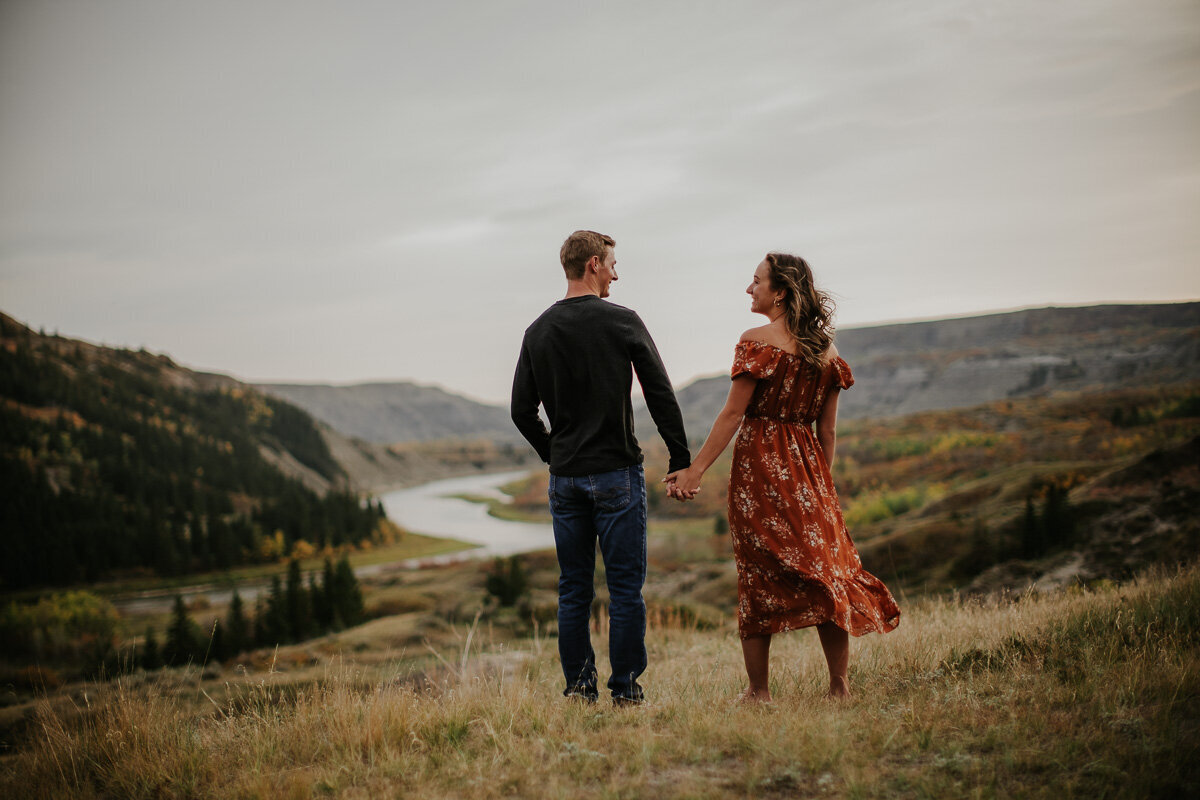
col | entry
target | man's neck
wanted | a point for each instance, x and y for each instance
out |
(581, 288)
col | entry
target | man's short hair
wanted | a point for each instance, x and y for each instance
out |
(579, 247)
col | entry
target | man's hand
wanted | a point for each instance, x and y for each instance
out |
(683, 484)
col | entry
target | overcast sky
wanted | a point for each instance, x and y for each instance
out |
(350, 191)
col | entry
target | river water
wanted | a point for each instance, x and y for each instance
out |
(429, 509)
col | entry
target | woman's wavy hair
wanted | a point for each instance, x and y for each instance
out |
(809, 311)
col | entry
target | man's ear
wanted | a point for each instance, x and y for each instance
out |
(593, 264)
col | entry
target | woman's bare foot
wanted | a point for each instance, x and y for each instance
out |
(750, 697)
(839, 688)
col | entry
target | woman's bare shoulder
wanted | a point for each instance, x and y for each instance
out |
(758, 334)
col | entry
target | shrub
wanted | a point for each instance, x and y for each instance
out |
(876, 505)
(507, 581)
(66, 626)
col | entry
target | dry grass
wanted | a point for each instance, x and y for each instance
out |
(1085, 693)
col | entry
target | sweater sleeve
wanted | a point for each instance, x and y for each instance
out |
(660, 397)
(524, 406)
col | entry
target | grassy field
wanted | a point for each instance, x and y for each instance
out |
(1081, 693)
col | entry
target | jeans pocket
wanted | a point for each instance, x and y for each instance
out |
(550, 496)
(610, 490)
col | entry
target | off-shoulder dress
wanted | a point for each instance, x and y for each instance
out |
(797, 566)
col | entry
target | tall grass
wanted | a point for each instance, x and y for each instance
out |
(1084, 693)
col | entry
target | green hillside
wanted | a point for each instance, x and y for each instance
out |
(119, 462)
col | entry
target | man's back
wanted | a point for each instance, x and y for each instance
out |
(576, 360)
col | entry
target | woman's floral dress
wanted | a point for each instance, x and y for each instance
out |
(796, 564)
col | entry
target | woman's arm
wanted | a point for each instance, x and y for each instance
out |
(827, 427)
(683, 484)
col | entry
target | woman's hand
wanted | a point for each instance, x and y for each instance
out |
(683, 484)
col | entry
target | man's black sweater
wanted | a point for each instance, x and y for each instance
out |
(575, 361)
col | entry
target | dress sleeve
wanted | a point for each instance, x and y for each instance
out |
(843, 378)
(755, 359)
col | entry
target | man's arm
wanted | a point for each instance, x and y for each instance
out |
(660, 397)
(524, 407)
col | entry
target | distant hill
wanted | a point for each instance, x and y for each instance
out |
(387, 413)
(953, 363)
(899, 369)
(122, 462)
(381, 468)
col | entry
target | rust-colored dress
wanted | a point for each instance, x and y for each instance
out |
(796, 564)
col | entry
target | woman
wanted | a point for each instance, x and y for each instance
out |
(796, 564)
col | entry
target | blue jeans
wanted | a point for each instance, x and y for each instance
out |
(609, 507)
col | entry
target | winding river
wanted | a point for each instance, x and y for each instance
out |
(430, 509)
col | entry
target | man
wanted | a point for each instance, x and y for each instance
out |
(575, 361)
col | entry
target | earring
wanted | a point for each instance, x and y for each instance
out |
(777, 302)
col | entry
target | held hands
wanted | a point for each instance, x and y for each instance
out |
(683, 484)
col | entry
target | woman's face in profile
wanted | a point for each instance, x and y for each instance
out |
(762, 298)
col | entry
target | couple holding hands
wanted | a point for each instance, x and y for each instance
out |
(796, 564)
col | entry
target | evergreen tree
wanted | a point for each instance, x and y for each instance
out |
(347, 594)
(298, 604)
(237, 629)
(331, 621)
(320, 608)
(275, 622)
(185, 642)
(151, 657)
(1057, 520)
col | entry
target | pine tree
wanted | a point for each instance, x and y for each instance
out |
(332, 621)
(185, 642)
(320, 609)
(237, 629)
(151, 657)
(298, 604)
(275, 622)
(1057, 519)
(347, 594)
